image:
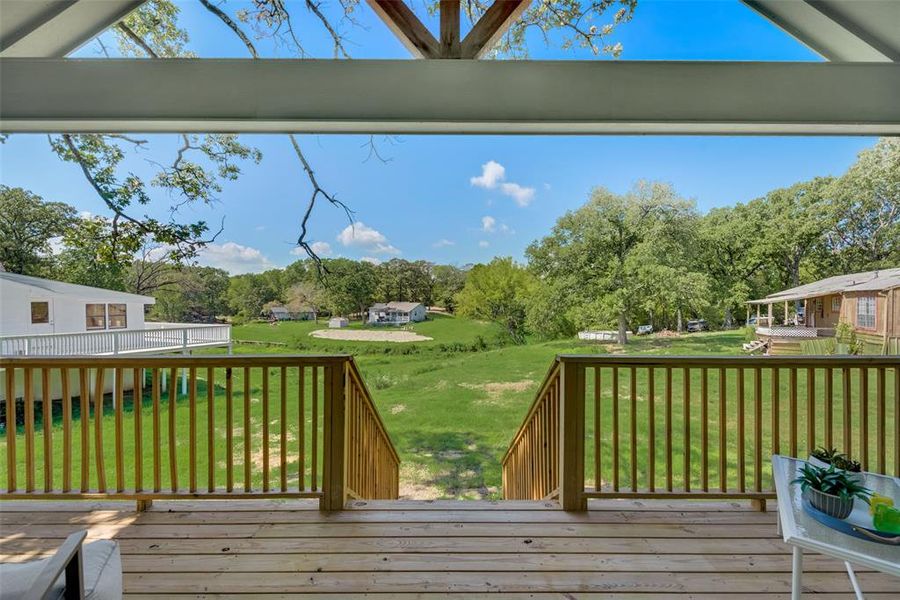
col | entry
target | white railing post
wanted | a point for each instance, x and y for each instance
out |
(115, 342)
(184, 338)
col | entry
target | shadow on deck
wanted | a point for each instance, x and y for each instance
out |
(399, 549)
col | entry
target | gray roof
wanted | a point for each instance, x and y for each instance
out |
(400, 306)
(883, 279)
(83, 292)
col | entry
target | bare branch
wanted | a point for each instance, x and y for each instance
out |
(231, 25)
(138, 40)
(339, 49)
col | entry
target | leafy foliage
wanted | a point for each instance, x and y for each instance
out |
(498, 291)
(28, 224)
(831, 481)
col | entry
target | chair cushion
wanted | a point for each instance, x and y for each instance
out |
(102, 574)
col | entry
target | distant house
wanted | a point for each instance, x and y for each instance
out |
(396, 313)
(283, 313)
(869, 302)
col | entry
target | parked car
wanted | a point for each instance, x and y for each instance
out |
(697, 325)
(644, 329)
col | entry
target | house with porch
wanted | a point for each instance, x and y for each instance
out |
(396, 313)
(869, 302)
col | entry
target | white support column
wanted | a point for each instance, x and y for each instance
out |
(164, 380)
(797, 574)
(184, 373)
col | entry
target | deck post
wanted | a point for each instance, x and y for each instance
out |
(334, 446)
(143, 505)
(571, 438)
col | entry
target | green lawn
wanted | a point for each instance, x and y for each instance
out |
(451, 407)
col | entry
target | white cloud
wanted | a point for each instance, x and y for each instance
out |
(362, 236)
(520, 194)
(443, 243)
(492, 173)
(483, 244)
(260, 228)
(493, 176)
(320, 248)
(488, 223)
(371, 259)
(234, 258)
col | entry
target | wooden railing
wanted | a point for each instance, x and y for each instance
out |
(530, 464)
(373, 466)
(248, 426)
(155, 337)
(698, 427)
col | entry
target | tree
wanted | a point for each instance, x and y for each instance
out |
(27, 226)
(448, 282)
(198, 295)
(306, 294)
(98, 252)
(404, 281)
(865, 211)
(497, 291)
(349, 285)
(248, 293)
(602, 258)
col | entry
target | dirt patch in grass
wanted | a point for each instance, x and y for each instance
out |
(397, 409)
(497, 389)
(364, 335)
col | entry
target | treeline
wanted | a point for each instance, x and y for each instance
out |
(644, 257)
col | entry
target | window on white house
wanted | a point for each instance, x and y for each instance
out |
(40, 312)
(865, 312)
(836, 304)
(118, 316)
(95, 316)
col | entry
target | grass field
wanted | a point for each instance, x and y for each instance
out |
(451, 405)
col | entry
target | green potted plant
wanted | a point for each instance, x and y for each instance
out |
(831, 457)
(830, 490)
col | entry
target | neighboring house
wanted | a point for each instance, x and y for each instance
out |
(396, 313)
(283, 313)
(32, 305)
(869, 302)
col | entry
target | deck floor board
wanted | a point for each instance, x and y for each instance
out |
(273, 550)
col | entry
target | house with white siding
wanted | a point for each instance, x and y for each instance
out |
(396, 313)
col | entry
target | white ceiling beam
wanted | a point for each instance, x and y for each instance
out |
(51, 29)
(823, 30)
(490, 97)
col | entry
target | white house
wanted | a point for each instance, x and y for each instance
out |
(31, 305)
(396, 313)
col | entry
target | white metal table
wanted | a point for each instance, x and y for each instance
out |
(803, 532)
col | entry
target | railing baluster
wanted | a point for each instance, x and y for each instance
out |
(829, 408)
(28, 401)
(118, 401)
(137, 404)
(246, 436)
(669, 429)
(881, 417)
(741, 420)
(686, 393)
(84, 417)
(301, 392)
(845, 385)
(810, 410)
(597, 432)
(11, 425)
(157, 459)
(615, 427)
(47, 421)
(98, 428)
(793, 399)
(897, 421)
(192, 429)
(265, 429)
(173, 434)
(864, 418)
(651, 429)
(229, 430)
(704, 428)
(210, 429)
(723, 430)
(284, 432)
(633, 432)
(314, 479)
(757, 429)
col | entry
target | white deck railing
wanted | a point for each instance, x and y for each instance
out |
(155, 337)
(800, 332)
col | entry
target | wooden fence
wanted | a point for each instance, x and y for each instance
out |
(248, 427)
(697, 427)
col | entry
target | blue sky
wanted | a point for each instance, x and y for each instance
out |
(434, 199)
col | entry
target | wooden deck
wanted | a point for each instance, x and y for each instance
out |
(410, 549)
